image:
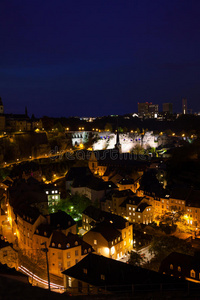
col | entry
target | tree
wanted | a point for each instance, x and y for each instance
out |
(73, 205)
(135, 259)
(138, 130)
(108, 127)
(125, 129)
(164, 245)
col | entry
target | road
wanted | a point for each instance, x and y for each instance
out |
(144, 252)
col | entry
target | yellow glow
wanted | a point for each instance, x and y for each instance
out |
(112, 250)
(37, 130)
(183, 134)
(81, 146)
(106, 251)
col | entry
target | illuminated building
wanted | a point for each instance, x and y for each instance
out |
(184, 106)
(148, 110)
(110, 239)
(167, 108)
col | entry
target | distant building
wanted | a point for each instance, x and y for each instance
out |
(153, 110)
(143, 109)
(184, 106)
(168, 108)
(2, 117)
(1, 107)
(148, 110)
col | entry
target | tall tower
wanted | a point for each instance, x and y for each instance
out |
(184, 106)
(1, 107)
(118, 145)
(168, 108)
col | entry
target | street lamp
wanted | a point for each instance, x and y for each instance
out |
(45, 250)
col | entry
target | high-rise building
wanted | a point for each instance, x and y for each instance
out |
(147, 109)
(1, 107)
(2, 116)
(184, 106)
(153, 110)
(143, 109)
(168, 108)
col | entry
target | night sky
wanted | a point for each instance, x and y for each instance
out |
(94, 58)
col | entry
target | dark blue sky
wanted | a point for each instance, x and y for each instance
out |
(92, 58)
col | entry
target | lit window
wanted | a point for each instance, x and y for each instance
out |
(95, 242)
(68, 245)
(47, 192)
(69, 282)
(85, 271)
(138, 209)
(68, 255)
(76, 243)
(179, 268)
(139, 216)
(52, 192)
(102, 277)
(53, 244)
(192, 274)
(133, 208)
(56, 192)
(171, 267)
(129, 208)
(59, 245)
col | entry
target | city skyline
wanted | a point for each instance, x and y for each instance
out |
(94, 59)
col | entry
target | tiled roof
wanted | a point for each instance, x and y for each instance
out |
(115, 273)
(61, 220)
(132, 201)
(98, 215)
(61, 241)
(107, 230)
(44, 230)
(141, 207)
(78, 172)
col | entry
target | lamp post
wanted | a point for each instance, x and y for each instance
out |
(45, 250)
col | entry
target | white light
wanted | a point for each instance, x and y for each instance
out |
(35, 277)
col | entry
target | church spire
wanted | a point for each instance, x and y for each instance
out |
(1, 106)
(118, 145)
